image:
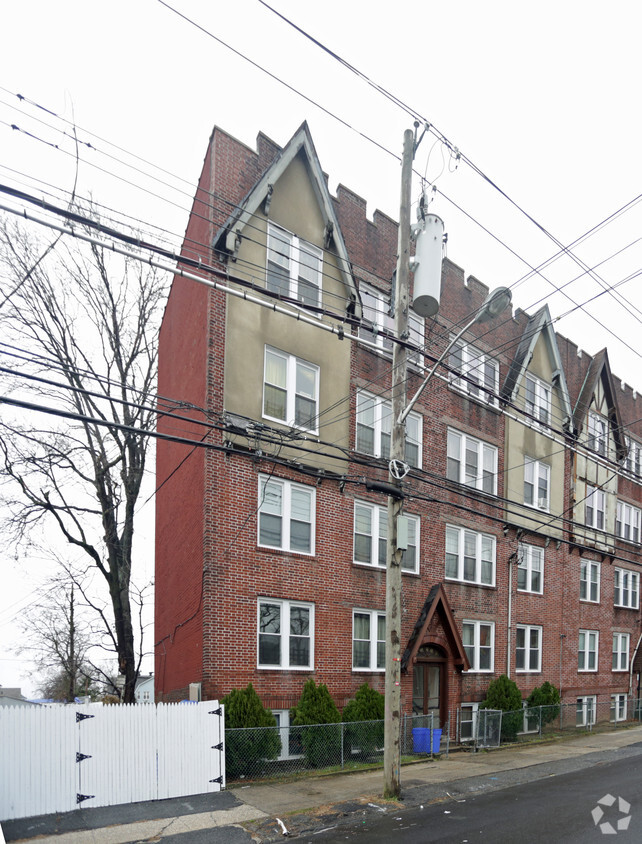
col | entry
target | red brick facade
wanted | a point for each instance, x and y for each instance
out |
(210, 571)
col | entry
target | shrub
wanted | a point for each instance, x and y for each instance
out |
(245, 748)
(368, 705)
(546, 696)
(321, 744)
(503, 694)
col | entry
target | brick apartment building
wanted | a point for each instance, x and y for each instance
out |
(523, 501)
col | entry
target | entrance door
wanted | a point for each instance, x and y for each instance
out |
(427, 685)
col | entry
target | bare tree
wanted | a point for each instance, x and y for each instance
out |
(83, 326)
(60, 641)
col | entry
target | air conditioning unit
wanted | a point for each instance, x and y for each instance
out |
(195, 691)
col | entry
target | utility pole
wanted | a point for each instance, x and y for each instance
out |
(392, 723)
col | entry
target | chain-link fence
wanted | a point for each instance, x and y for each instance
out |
(273, 752)
(259, 752)
(481, 728)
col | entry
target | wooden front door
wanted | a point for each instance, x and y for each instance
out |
(428, 687)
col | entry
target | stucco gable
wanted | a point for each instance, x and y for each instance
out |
(539, 327)
(598, 372)
(228, 236)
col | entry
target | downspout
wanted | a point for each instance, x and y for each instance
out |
(511, 559)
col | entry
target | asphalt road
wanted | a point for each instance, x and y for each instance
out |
(553, 808)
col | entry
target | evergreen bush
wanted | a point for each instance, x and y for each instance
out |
(368, 705)
(547, 697)
(503, 694)
(321, 744)
(245, 748)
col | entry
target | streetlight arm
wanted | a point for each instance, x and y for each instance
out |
(403, 415)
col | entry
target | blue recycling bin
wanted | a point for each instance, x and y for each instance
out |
(425, 740)
(420, 740)
(436, 740)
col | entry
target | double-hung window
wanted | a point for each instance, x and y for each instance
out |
(618, 707)
(286, 515)
(537, 400)
(478, 638)
(376, 313)
(368, 640)
(626, 589)
(621, 651)
(595, 507)
(528, 648)
(536, 484)
(290, 390)
(374, 426)
(627, 522)
(587, 650)
(294, 267)
(470, 556)
(530, 569)
(471, 461)
(585, 711)
(474, 372)
(590, 581)
(285, 634)
(371, 534)
(597, 431)
(633, 462)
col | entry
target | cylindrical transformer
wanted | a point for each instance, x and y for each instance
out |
(428, 252)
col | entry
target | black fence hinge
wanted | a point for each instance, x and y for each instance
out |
(81, 797)
(219, 780)
(80, 716)
(81, 756)
(218, 711)
(218, 746)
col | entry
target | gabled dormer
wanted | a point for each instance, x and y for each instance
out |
(281, 364)
(539, 416)
(599, 449)
(290, 213)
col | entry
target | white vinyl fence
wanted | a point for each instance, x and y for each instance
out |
(59, 758)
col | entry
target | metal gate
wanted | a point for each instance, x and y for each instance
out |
(488, 727)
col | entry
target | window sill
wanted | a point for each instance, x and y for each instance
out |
(494, 405)
(471, 583)
(370, 567)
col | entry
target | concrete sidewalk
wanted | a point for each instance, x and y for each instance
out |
(261, 812)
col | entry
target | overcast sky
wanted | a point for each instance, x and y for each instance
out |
(543, 98)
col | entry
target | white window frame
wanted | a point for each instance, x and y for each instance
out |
(530, 568)
(474, 651)
(590, 579)
(284, 633)
(618, 707)
(475, 373)
(620, 651)
(595, 508)
(474, 708)
(537, 477)
(633, 460)
(598, 429)
(293, 367)
(288, 491)
(381, 426)
(375, 662)
(376, 529)
(628, 520)
(483, 542)
(283, 725)
(297, 278)
(626, 589)
(376, 309)
(591, 641)
(586, 711)
(528, 648)
(537, 400)
(481, 475)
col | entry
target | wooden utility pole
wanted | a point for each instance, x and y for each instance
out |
(392, 723)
